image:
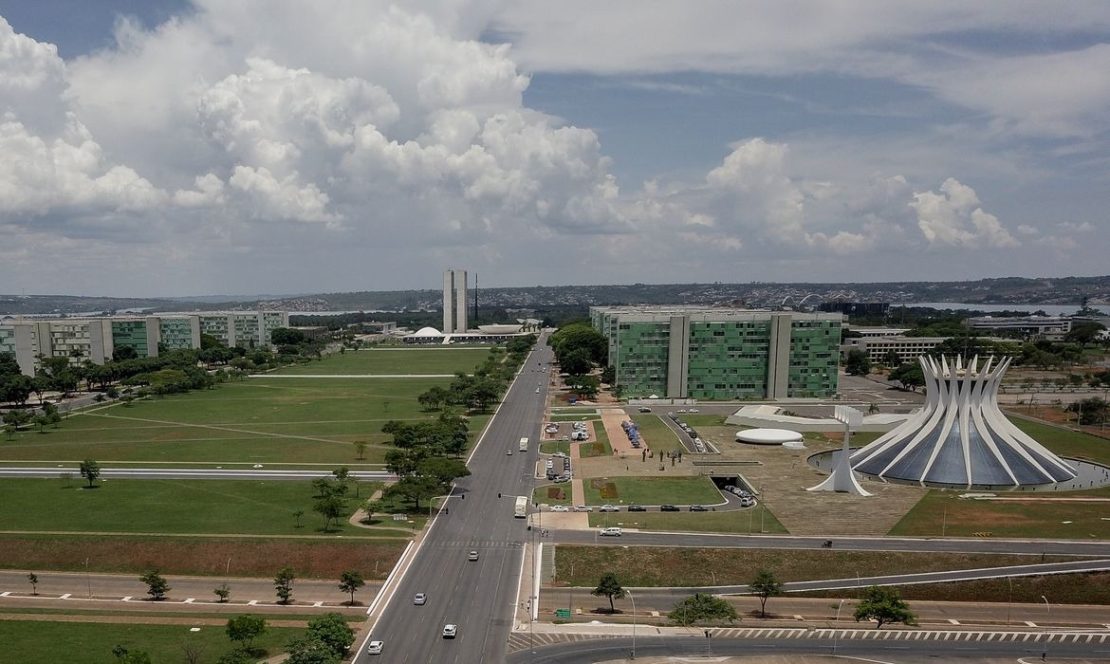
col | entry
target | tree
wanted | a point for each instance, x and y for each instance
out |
(41, 421)
(283, 584)
(332, 630)
(222, 592)
(349, 582)
(892, 358)
(576, 362)
(236, 657)
(126, 656)
(284, 336)
(90, 470)
(332, 508)
(414, 489)
(442, 470)
(245, 629)
(764, 586)
(884, 605)
(156, 585)
(702, 607)
(310, 651)
(910, 375)
(360, 449)
(1091, 411)
(857, 363)
(297, 515)
(122, 353)
(1084, 333)
(33, 579)
(609, 587)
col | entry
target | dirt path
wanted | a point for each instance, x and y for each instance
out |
(212, 427)
(360, 514)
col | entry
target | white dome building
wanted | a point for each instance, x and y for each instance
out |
(961, 438)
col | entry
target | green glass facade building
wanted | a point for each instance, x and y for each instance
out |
(700, 353)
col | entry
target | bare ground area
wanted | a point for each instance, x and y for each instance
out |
(198, 556)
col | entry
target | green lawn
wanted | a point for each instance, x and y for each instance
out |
(942, 512)
(395, 362)
(553, 446)
(741, 521)
(659, 436)
(1067, 443)
(92, 643)
(169, 506)
(261, 420)
(652, 491)
(598, 447)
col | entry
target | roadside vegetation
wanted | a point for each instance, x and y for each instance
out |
(675, 566)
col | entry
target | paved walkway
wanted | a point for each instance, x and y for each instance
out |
(611, 418)
(351, 376)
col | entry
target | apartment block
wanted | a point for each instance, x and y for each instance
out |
(695, 352)
(95, 339)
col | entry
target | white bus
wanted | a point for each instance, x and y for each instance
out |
(524, 444)
(520, 510)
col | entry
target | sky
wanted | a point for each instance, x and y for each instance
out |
(186, 147)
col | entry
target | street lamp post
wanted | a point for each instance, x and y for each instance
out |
(1048, 611)
(633, 621)
(836, 630)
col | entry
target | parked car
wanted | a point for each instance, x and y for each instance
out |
(747, 501)
(610, 532)
(691, 410)
(608, 508)
(682, 410)
(645, 409)
(560, 508)
(699, 508)
(668, 508)
(637, 508)
(583, 508)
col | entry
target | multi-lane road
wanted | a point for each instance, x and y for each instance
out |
(194, 473)
(478, 596)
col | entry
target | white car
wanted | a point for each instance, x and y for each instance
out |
(375, 647)
(449, 631)
(610, 532)
(583, 508)
(609, 508)
(420, 599)
(472, 556)
(747, 501)
(692, 410)
(560, 508)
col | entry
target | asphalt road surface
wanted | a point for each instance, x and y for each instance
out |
(478, 596)
(890, 651)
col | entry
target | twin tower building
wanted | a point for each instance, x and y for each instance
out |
(454, 301)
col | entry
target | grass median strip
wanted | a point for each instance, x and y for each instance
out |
(672, 566)
(651, 491)
(36, 641)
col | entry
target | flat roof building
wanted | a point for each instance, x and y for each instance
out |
(680, 352)
(1048, 327)
(96, 339)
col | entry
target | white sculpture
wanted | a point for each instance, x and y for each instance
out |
(960, 437)
(842, 479)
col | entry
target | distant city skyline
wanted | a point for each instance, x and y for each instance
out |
(181, 147)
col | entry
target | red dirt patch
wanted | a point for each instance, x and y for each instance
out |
(608, 490)
(556, 493)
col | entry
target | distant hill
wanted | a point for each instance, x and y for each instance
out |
(1008, 290)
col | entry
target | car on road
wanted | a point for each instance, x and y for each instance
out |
(560, 508)
(692, 410)
(420, 599)
(747, 501)
(537, 390)
(509, 451)
(610, 532)
(375, 647)
(583, 508)
(699, 508)
(608, 508)
(449, 631)
(637, 508)
(472, 556)
(645, 409)
(668, 508)
(682, 410)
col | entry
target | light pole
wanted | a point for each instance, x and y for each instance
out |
(1048, 611)
(836, 630)
(633, 621)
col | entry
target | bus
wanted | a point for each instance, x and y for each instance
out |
(524, 444)
(520, 510)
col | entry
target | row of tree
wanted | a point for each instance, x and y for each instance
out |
(579, 348)
(880, 604)
(327, 640)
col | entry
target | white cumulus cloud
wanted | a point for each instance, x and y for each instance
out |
(953, 217)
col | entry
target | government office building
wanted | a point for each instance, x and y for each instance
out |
(95, 339)
(679, 352)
